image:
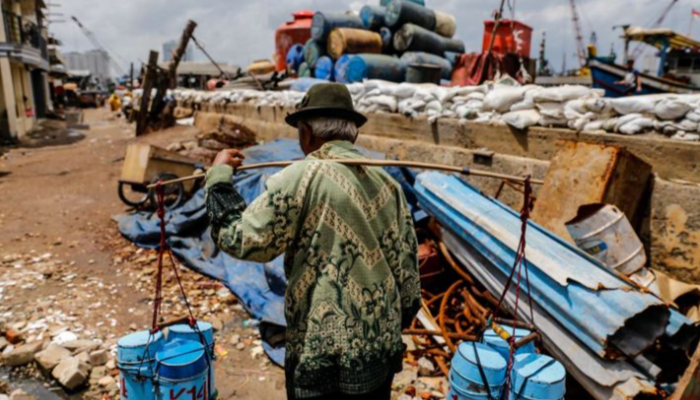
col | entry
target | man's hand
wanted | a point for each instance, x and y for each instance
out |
(231, 157)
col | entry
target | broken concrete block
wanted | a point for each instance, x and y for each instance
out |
(106, 381)
(71, 373)
(84, 357)
(425, 367)
(22, 355)
(81, 345)
(20, 394)
(51, 356)
(99, 357)
(3, 343)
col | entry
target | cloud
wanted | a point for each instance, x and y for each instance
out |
(241, 31)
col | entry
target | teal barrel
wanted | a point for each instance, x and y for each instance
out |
(401, 12)
(387, 40)
(492, 339)
(537, 377)
(323, 23)
(373, 17)
(419, 57)
(186, 332)
(304, 70)
(412, 37)
(295, 56)
(340, 70)
(376, 66)
(181, 371)
(477, 373)
(385, 3)
(324, 68)
(313, 50)
(136, 355)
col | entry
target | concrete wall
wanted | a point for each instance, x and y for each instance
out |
(671, 230)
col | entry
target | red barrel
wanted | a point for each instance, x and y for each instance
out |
(511, 37)
(291, 33)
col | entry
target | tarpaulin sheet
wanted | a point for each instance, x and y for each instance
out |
(259, 286)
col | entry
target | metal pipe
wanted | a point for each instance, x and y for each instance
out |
(372, 163)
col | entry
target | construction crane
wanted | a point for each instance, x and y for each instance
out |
(580, 47)
(91, 37)
(640, 46)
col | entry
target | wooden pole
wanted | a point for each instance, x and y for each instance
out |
(148, 81)
(131, 77)
(374, 163)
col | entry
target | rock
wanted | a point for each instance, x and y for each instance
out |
(51, 356)
(20, 394)
(64, 337)
(14, 336)
(240, 346)
(22, 355)
(106, 381)
(216, 324)
(235, 339)
(425, 367)
(3, 343)
(435, 384)
(81, 345)
(111, 364)
(71, 373)
(99, 357)
(84, 357)
(405, 378)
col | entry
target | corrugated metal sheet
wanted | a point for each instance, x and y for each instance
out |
(592, 320)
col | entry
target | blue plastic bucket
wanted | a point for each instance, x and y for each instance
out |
(340, 71)
(295, 56)
(492, 339)
(471, 360)
(135, 359)
(324, 68)
(181, 371)
(537, 377)
(376, 66)
(185, 332)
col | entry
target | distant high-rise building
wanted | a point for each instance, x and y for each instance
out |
(95, 61)
(169, 47)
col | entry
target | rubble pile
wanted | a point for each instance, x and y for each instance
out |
(505, 102)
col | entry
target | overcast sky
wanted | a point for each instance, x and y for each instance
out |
(240, 31)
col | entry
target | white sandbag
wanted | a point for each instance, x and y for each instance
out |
(593, 126)
(551, 110)
(553, 122)
(387, 102)
(521, 119)
(562, 94)
(635, 126)
(693, 116)
(434, 105)
(634, 105)
(502, 97)
(686, 125)
(671, 109)
(689, 137)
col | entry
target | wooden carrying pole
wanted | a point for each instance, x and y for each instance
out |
(148, 81)
(373, 163)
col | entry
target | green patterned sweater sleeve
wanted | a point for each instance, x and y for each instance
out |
(259, 232)
(408, 276)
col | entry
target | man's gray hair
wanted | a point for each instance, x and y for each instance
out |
(333, 128)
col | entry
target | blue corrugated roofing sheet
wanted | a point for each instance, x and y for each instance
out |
(591, 315)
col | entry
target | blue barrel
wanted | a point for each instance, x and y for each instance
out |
(186, 332)
(313, 50)
(304, 70)
(295, 56)
(419, 57)
(303, 84)
(401, 12)
(182, 369)
(136, 355)
(412, 37)
(323, 23)
(340, 71)
(537, 377)
(373, 17)
(492, 339)
(385, 3)
(324, 68)
(376, 66)
(387, 39)
(471, 360)
(452, 57)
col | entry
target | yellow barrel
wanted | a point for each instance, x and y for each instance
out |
(445, 24)
(260, 67)
(353, 41)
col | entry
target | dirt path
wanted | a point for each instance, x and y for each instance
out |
(60, 250)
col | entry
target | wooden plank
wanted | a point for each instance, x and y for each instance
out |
(149, 81)
(689, 386)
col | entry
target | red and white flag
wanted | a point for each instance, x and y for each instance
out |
(695, 13)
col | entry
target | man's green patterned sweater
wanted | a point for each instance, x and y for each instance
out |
(350, 260)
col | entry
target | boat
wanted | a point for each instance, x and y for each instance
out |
(679, 65)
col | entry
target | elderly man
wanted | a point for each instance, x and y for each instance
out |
(350, 252)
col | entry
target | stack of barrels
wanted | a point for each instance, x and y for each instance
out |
(397, 40)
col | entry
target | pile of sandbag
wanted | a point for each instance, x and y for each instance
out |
(505, 102)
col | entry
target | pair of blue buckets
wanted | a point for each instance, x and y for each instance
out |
(479, 371)
(179, 368)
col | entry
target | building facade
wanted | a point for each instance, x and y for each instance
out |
(95, 61)
(24, 64)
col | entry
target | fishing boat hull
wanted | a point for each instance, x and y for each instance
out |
(605, 75)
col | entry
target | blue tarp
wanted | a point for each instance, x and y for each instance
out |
(259, 286)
